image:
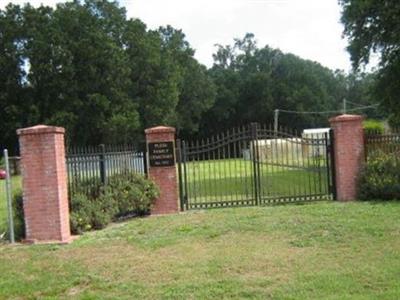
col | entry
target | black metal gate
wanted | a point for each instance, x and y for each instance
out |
(255, 165)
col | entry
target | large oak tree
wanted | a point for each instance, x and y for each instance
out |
(373, 28)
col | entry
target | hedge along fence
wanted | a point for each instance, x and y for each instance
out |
(88, 167)
(105, 183)
(125, 195)
(380, 176)
(380, 141)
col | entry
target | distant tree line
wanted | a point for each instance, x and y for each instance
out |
(105, 78)
(251, 82)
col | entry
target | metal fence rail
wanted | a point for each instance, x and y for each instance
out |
(89, 166)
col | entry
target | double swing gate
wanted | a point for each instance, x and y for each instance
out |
(255, 165)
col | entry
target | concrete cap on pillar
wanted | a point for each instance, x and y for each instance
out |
(160, 129)
(40, 129)
(346, 118)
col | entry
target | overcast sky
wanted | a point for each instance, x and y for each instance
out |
(310, 29)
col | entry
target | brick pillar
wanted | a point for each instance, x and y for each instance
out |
(161, 166)
(44, 183)
(348, 154)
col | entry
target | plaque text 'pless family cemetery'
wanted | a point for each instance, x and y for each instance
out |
(161, 154)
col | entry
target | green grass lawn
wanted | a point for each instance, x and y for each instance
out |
(325, 250)
(16, 186)
(233, 179)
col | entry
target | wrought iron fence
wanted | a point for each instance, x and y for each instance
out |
(254, 165)
(382, 143)
(89, 167)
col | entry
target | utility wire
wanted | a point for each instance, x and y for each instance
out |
(359, 104)
(326, 112)
(277, 111)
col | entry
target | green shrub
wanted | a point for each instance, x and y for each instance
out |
(124, 194)
(133, 194)
(373, 126)
(18, 217)
(90, 187)
(18, 211)
(380, 178)
(90, 213)
(80, 216)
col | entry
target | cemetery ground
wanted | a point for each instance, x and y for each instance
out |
(233, 179)
(321, 250)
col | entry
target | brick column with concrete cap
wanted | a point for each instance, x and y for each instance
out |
(44, 183)
(348, 154)
(163, 172)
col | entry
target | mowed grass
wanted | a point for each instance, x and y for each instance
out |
(233, 179)
(15, 186)
(325, 250)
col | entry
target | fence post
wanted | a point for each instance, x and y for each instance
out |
(185, 179)
(162, 168)
(256, 166)
(144, 158)
(103, 175)
(44, 183)
(348, 152)
(331, 162)
(180, 175)
(9, 198)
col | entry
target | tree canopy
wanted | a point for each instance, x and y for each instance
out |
(85, 66)
(252, 82)
(373, 27)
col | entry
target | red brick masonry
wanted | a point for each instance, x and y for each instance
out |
(44, 181)
(349, 154)
(164, 176)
